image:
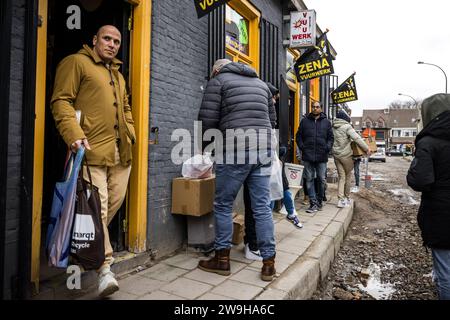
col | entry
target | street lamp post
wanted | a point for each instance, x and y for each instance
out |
(416, 105)
(415, 102)
(421, 62)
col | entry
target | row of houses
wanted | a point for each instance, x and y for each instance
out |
(396, 127)
(167, 55)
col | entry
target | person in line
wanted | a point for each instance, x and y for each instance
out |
(251, 250)
(344, 134)
(356, 165)
(288, 201)
(429, 174)
(315, 140)
(90, 81)
(235, 98)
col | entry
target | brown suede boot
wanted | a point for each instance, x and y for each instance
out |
(219, 264)
(268, 269)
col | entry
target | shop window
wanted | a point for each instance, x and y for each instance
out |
(290, 60)
(242, 32)
(236, 31)
(379, 135)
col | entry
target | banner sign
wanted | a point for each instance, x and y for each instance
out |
(346, 92)
(206, 6)
(303, 29)
(315, 62)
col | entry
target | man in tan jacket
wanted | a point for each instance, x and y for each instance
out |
(90, 81)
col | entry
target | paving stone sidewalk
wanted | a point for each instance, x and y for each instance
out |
(303, 258)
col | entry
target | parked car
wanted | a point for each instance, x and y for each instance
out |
(380, 155)
(394, 153)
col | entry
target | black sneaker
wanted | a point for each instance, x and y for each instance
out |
(313, 208)
(320, 206)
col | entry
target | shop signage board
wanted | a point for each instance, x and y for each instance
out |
(204, 7)
(315, 62)
(303, 29)
(346, 92)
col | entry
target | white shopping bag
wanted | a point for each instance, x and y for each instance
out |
(198, 166)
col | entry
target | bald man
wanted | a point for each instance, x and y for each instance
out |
(90, 81)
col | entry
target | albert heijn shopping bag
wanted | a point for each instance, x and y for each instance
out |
(59, 230)
(87, 245)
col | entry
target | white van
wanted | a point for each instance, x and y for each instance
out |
(380, 155)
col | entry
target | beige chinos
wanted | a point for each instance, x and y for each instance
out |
(344, 168)
(112, 185)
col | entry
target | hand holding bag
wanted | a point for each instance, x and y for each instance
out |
(87, 245)
(62, 212)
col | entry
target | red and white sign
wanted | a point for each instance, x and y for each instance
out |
(303, 29)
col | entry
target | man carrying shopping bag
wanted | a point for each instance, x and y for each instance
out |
(90, 81)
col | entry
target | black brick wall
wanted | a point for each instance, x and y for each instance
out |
(179, 67)
(14, 149)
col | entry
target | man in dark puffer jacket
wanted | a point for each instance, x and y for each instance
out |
(236, 99)
(429, 173)
(315, 140)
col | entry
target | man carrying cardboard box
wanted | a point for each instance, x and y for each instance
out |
(235, 98)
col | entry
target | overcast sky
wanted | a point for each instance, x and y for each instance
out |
(382, 41)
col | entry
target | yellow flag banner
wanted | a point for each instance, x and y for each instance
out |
(204, 7)
(346, 92)
(315, 62)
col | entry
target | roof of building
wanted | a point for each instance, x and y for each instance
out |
(376, 116)
(403, 118)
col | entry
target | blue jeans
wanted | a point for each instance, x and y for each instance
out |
(441, 270)
(288, 202)
(356, 164)
(229, 179)
(313, 169)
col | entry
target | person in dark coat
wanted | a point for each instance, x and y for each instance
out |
(315, 140)
(239, 105)
(429, 173)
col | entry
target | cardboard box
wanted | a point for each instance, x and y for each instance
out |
(193, 197)
(238, 229)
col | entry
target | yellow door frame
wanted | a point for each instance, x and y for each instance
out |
(295, 88)
(140, 47)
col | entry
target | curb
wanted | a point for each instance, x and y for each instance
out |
(301, 279)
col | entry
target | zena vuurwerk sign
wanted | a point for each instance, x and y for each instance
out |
(206, 6)
(315, 62)
(303, 29)
(346, 92)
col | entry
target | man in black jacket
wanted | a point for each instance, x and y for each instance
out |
(236, 100)
(429, 173)
(315, 140)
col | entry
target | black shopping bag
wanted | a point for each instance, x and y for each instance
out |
(87, 245)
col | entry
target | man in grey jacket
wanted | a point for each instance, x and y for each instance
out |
(239, 104)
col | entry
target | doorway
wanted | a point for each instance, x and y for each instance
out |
(72, 23)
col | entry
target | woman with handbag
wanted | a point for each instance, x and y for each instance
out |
(344, 134)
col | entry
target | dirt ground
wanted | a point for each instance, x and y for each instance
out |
(382, 256)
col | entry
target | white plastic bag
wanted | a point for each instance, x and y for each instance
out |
(276, 179)
(198, 166)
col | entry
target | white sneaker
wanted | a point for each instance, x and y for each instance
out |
(342, 203)
(348, 202)
(354, 189)
(283, 210)
(252, 255)
(107, 284)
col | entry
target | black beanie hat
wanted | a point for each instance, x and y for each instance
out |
(341, 114)
(272, 89)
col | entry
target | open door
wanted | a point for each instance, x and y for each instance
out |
(65, 25)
